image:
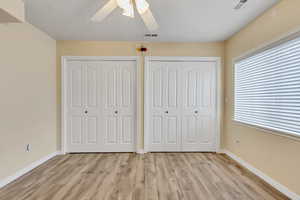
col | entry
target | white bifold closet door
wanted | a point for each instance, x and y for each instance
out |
(165, 120)
(101, 106)
(199, 106)
(182, 106)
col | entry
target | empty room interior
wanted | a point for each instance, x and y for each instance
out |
(150, 100)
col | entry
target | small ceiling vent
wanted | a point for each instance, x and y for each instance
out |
(240, 4)
(149, 35)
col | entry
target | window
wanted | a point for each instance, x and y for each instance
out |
(267, 88)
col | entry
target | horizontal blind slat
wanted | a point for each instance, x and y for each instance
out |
(279, 115)
(275, 81)
(293, 57)
(270, 77)
(287, 70)
(267, 88)
(286, 86)
(290, 84)
(274, 121)
(268, 109)
(272, 52)
(270, 104)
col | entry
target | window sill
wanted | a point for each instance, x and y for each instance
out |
(269, 130)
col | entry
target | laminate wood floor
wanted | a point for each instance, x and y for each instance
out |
(153, 176)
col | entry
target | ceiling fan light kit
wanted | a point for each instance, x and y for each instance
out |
(142, 6)
(127, 6)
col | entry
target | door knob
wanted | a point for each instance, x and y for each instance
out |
(167, 112)
(116, 112)
(86, 112)
(196, 111)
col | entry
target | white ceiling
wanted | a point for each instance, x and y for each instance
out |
(179, 20)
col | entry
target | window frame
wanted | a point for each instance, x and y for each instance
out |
(252, 52)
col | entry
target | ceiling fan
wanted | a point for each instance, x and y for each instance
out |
(142, 6)
(240, 4)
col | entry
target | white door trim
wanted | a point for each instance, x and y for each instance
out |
(64, 60)
(181, 59)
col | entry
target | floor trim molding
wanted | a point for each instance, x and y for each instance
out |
(27, 169)
(141, 151)
(283, 189)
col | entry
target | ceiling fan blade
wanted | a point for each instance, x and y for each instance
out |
(105, 11)
(149, 20)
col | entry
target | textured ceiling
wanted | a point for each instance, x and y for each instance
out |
(179, 20)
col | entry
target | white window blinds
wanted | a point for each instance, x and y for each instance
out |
(267, 88)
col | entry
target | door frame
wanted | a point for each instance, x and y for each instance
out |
(64, 60)
(219, 105)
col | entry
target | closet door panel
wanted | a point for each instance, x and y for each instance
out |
(101, 106)
(92, 130)
(127, 129)
(109, 77)
(119, 105)
(126, 105)
(198, 109)
(92, 85)
(156, 137)
(164, 101)
(76, 130)
(75, 86)
(172, 130)
(190, 127)
(75, 105)
(110, 73)
(92, 111)
(182, 106)
(111, 135)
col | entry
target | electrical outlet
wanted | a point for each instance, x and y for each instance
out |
(28, 147)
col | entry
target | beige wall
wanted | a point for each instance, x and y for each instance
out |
(274, 155)
(28, 96)
(93, 48)
(12, 11)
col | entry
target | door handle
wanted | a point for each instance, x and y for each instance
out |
(167, 112)
(116, 112)
(86, 112)
(196, 112)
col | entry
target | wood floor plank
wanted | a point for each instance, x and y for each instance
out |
(168, 187)
(139, 187)
(191, 188)
(129, 176)
(151, 187)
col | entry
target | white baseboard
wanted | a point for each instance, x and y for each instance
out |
(141, 151)
(27, 169)
(263, 176)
